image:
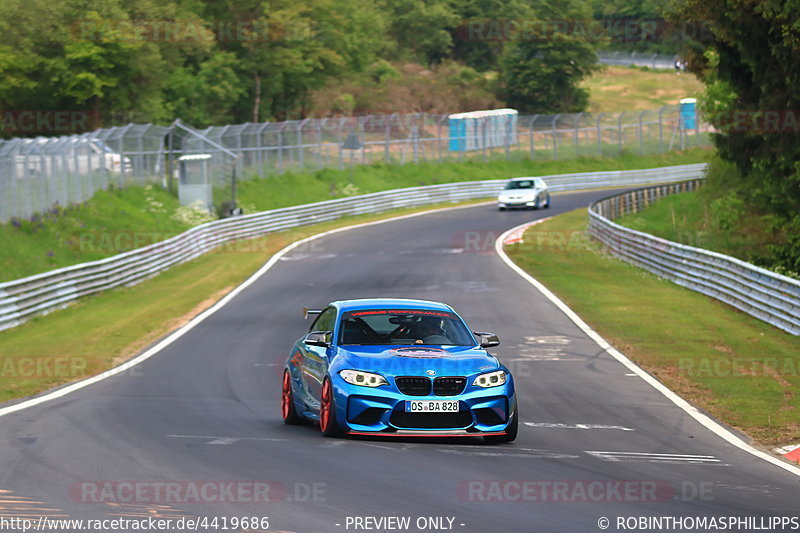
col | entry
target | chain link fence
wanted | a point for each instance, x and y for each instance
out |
(36, 174)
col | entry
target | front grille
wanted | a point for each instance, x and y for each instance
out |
(449, 386)
(457, 420)
(413, 386)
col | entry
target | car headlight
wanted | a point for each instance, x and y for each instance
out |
(491, 379)
(366, 379)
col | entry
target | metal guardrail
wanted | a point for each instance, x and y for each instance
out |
(639, 59)
(768, 296)
(20, 299)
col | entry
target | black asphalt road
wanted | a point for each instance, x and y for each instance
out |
(597, 441)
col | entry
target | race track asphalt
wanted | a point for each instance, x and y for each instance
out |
(206, 410)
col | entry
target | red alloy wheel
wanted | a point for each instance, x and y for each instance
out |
(286, 396)
(325, 407)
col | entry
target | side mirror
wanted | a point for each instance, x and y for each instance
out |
(319, 338)
(486, 339)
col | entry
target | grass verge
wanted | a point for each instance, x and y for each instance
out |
(98, 332)
(718, 223)
(614, 89)
(119, 220)
(741, 370)
(299, 188)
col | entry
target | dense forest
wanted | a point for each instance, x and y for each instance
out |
(256, 60)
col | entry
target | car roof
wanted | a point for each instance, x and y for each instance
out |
(389, 303)
(525, 179)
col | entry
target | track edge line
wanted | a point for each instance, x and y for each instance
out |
(180, 332)
(705, 420)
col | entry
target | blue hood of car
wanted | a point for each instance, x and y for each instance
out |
(416, 360)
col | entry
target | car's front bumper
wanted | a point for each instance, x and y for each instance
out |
(516, 205)
(381, 410)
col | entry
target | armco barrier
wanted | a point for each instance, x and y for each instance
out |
(758, 292)
(20, 299)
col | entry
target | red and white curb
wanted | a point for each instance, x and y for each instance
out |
(792, 453)
(516, 234)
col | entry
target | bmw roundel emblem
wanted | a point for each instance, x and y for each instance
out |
(431, 372)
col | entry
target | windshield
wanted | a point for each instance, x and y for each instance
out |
(403, 326)
(525, 184)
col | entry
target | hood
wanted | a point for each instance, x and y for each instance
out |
(416, 360)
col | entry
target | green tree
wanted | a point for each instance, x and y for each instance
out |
(540, 72)
(58, 56)
(295, 47)
(421, 28)
(750, 67)
(485, 27)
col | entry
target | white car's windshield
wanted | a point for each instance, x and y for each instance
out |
(525, 184)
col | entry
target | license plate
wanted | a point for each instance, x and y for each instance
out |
(432, 406)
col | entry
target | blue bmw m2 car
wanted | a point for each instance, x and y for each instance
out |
(391, 367)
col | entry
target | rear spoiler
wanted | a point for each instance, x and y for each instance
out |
(308, 311)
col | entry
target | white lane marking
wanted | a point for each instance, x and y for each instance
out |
(530, 358)
(447, 251)
(180, 332)
(691, 410)
(547, 339)
(303, 257)
(517, 453)
(644, 457)
(224, 440)
(542, 348)
(575, 426)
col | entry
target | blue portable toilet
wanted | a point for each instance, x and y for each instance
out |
(475, 130)
(688, 111)
(458, 133)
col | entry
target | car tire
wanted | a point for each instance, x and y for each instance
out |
(511, 432)
(502, 208)
(288, 409)
(547, 205)
(327, 412)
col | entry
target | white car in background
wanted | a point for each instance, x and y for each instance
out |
(524, 193)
